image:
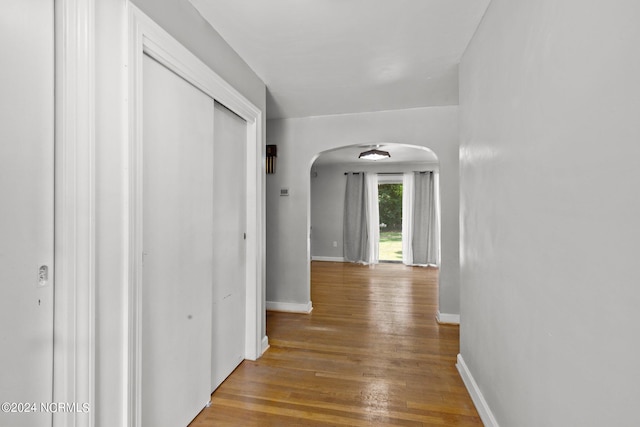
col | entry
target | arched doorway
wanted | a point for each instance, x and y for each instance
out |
(327, 191)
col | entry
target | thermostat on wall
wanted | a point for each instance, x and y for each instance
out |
(284, 191)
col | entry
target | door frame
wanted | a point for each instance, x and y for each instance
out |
(147, 37)
(385, 178)
(74, 211)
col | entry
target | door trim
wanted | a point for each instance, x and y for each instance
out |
(74, 284)
(147, 37)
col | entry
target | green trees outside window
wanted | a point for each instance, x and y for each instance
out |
(390, 208)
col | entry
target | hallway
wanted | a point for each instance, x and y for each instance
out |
(370, 353)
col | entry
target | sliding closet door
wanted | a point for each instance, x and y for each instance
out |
(177, 245)
(229, 284)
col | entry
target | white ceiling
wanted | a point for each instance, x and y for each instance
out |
(320, 57)
(400, 154)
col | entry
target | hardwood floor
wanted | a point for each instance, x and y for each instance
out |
(370, 354)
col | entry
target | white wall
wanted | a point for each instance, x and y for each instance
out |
(184, 23)
(300, 140)
(111, 204)
(328, 184)
(327, 211)
(550, 212)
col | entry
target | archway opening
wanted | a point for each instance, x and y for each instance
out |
(327, 199)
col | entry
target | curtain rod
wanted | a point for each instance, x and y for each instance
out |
(386, 173)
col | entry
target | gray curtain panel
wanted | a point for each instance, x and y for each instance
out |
(355, 238)
(424, 220)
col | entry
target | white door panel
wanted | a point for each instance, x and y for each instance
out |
(178, 245)
(229, 282)
(228, 337)
(26, 209)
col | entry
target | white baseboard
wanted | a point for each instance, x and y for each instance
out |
(265, 344)
(476, 395)
(328, 258)
(451, 319)
(289, 307)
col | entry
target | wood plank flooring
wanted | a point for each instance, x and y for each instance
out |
(370, 354)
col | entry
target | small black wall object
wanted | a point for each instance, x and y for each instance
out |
(272, 153)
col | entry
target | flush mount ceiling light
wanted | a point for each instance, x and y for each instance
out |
(374, 154)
